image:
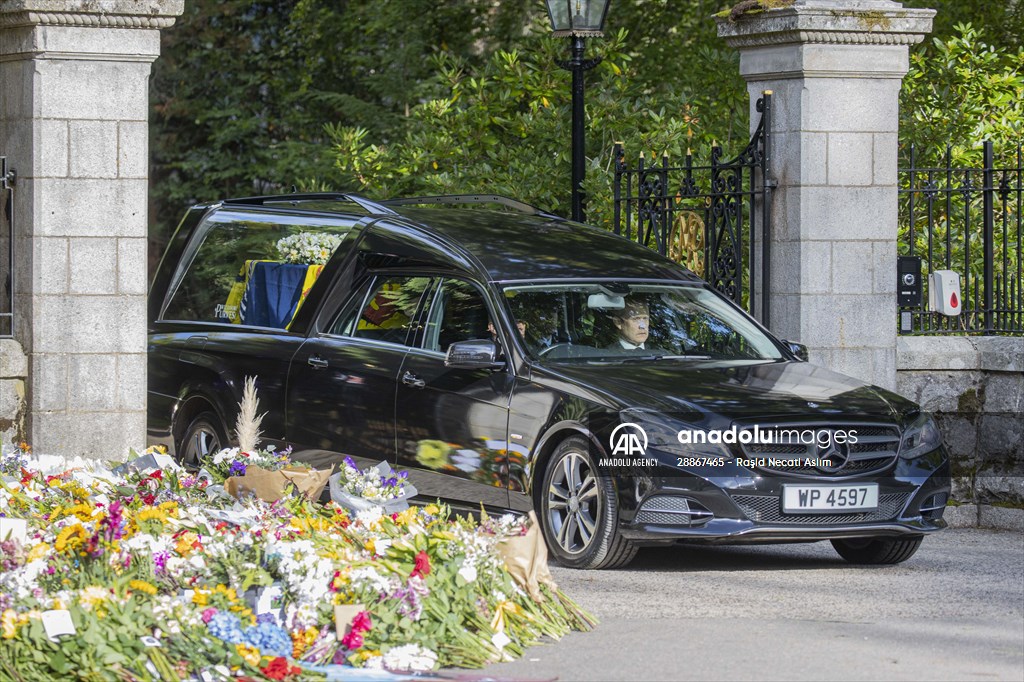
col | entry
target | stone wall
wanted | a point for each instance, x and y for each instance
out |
(975, 387)
(74, 107)
(13, 371)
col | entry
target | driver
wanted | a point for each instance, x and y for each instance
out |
(633, 323)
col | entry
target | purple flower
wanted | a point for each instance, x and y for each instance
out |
(350, 462)
(113, 524)
(160, 562)
(237, 468)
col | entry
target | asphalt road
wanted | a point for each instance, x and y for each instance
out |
(955, 611)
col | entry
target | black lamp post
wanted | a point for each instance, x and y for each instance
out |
(578, 20)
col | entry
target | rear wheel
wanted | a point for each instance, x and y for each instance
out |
(877, 550)
(579, 513)
(203, 437)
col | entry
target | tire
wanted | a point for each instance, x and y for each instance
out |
(204, 436)
(877, 551)
(578, 511)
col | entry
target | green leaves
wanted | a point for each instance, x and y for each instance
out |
(962, 91)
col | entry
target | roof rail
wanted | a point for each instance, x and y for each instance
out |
(520, 206)
(367, 205)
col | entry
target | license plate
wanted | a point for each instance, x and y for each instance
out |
(830, 498)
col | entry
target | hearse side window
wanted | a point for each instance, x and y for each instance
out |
(458, 312)
(384, 310)
(248, 270)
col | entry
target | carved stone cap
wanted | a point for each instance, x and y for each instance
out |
(90, 13)
(843, 23)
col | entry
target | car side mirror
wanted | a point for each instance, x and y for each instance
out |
(797, 349)
(474, 354)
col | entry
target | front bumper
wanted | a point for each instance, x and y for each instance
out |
(732, 504)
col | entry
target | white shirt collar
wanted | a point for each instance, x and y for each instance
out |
(630, 346)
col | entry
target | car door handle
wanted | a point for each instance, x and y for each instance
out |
(316, 362)
(410, 379)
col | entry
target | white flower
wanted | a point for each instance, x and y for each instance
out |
(225, 455)
(409, 657)
(468, 572)
(369, 516)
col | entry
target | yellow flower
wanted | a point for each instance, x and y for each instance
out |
(228, 592)
(142, 586)
(250, 654)
(201, 598)
(185, 542)
(70, 537)
(431, 509)
(151, 514)
(170, 508)
(37, 552)
(155, 450)
(9, 623)
(82, 511)
(408, 516)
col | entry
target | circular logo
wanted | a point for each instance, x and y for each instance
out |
(837, 454)
(628, 439)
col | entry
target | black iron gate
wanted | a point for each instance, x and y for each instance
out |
(7, 178)
(967, 219)
(706, 217)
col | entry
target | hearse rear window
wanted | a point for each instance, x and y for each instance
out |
(253, 270)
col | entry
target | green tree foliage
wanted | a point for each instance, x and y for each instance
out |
(464, 95)
(962, 91)
(244, 87)
(505, 131)
(504, 128)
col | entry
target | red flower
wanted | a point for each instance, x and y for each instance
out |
(422, 567)
(278, 669)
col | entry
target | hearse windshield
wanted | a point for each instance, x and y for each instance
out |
(616, 322)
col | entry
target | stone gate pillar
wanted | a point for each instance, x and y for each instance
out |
(835, 69)
(74, 81)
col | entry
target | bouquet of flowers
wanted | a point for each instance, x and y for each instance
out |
(311, 248)
(141, 576)
(220, 466)
(377, 486)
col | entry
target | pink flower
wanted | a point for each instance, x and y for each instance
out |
(208, 614)
(361, 622)
(353, 640)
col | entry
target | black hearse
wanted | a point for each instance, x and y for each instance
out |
(514, 359)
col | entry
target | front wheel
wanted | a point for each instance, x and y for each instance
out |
(579, 513)
(203, 438)
(877, 551)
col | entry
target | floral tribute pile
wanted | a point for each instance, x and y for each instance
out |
(148, 575)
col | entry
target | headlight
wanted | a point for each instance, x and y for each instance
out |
(921, 437)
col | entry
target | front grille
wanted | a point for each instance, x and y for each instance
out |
(672, 510)
(875, 450)
(768, 509)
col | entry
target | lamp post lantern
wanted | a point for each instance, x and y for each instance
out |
(578, 20)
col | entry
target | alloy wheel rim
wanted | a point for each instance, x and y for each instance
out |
(203, 443)
(573, 502)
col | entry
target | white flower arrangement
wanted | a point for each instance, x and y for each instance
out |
(310, 248)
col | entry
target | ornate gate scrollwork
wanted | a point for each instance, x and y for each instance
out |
(664, 207)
